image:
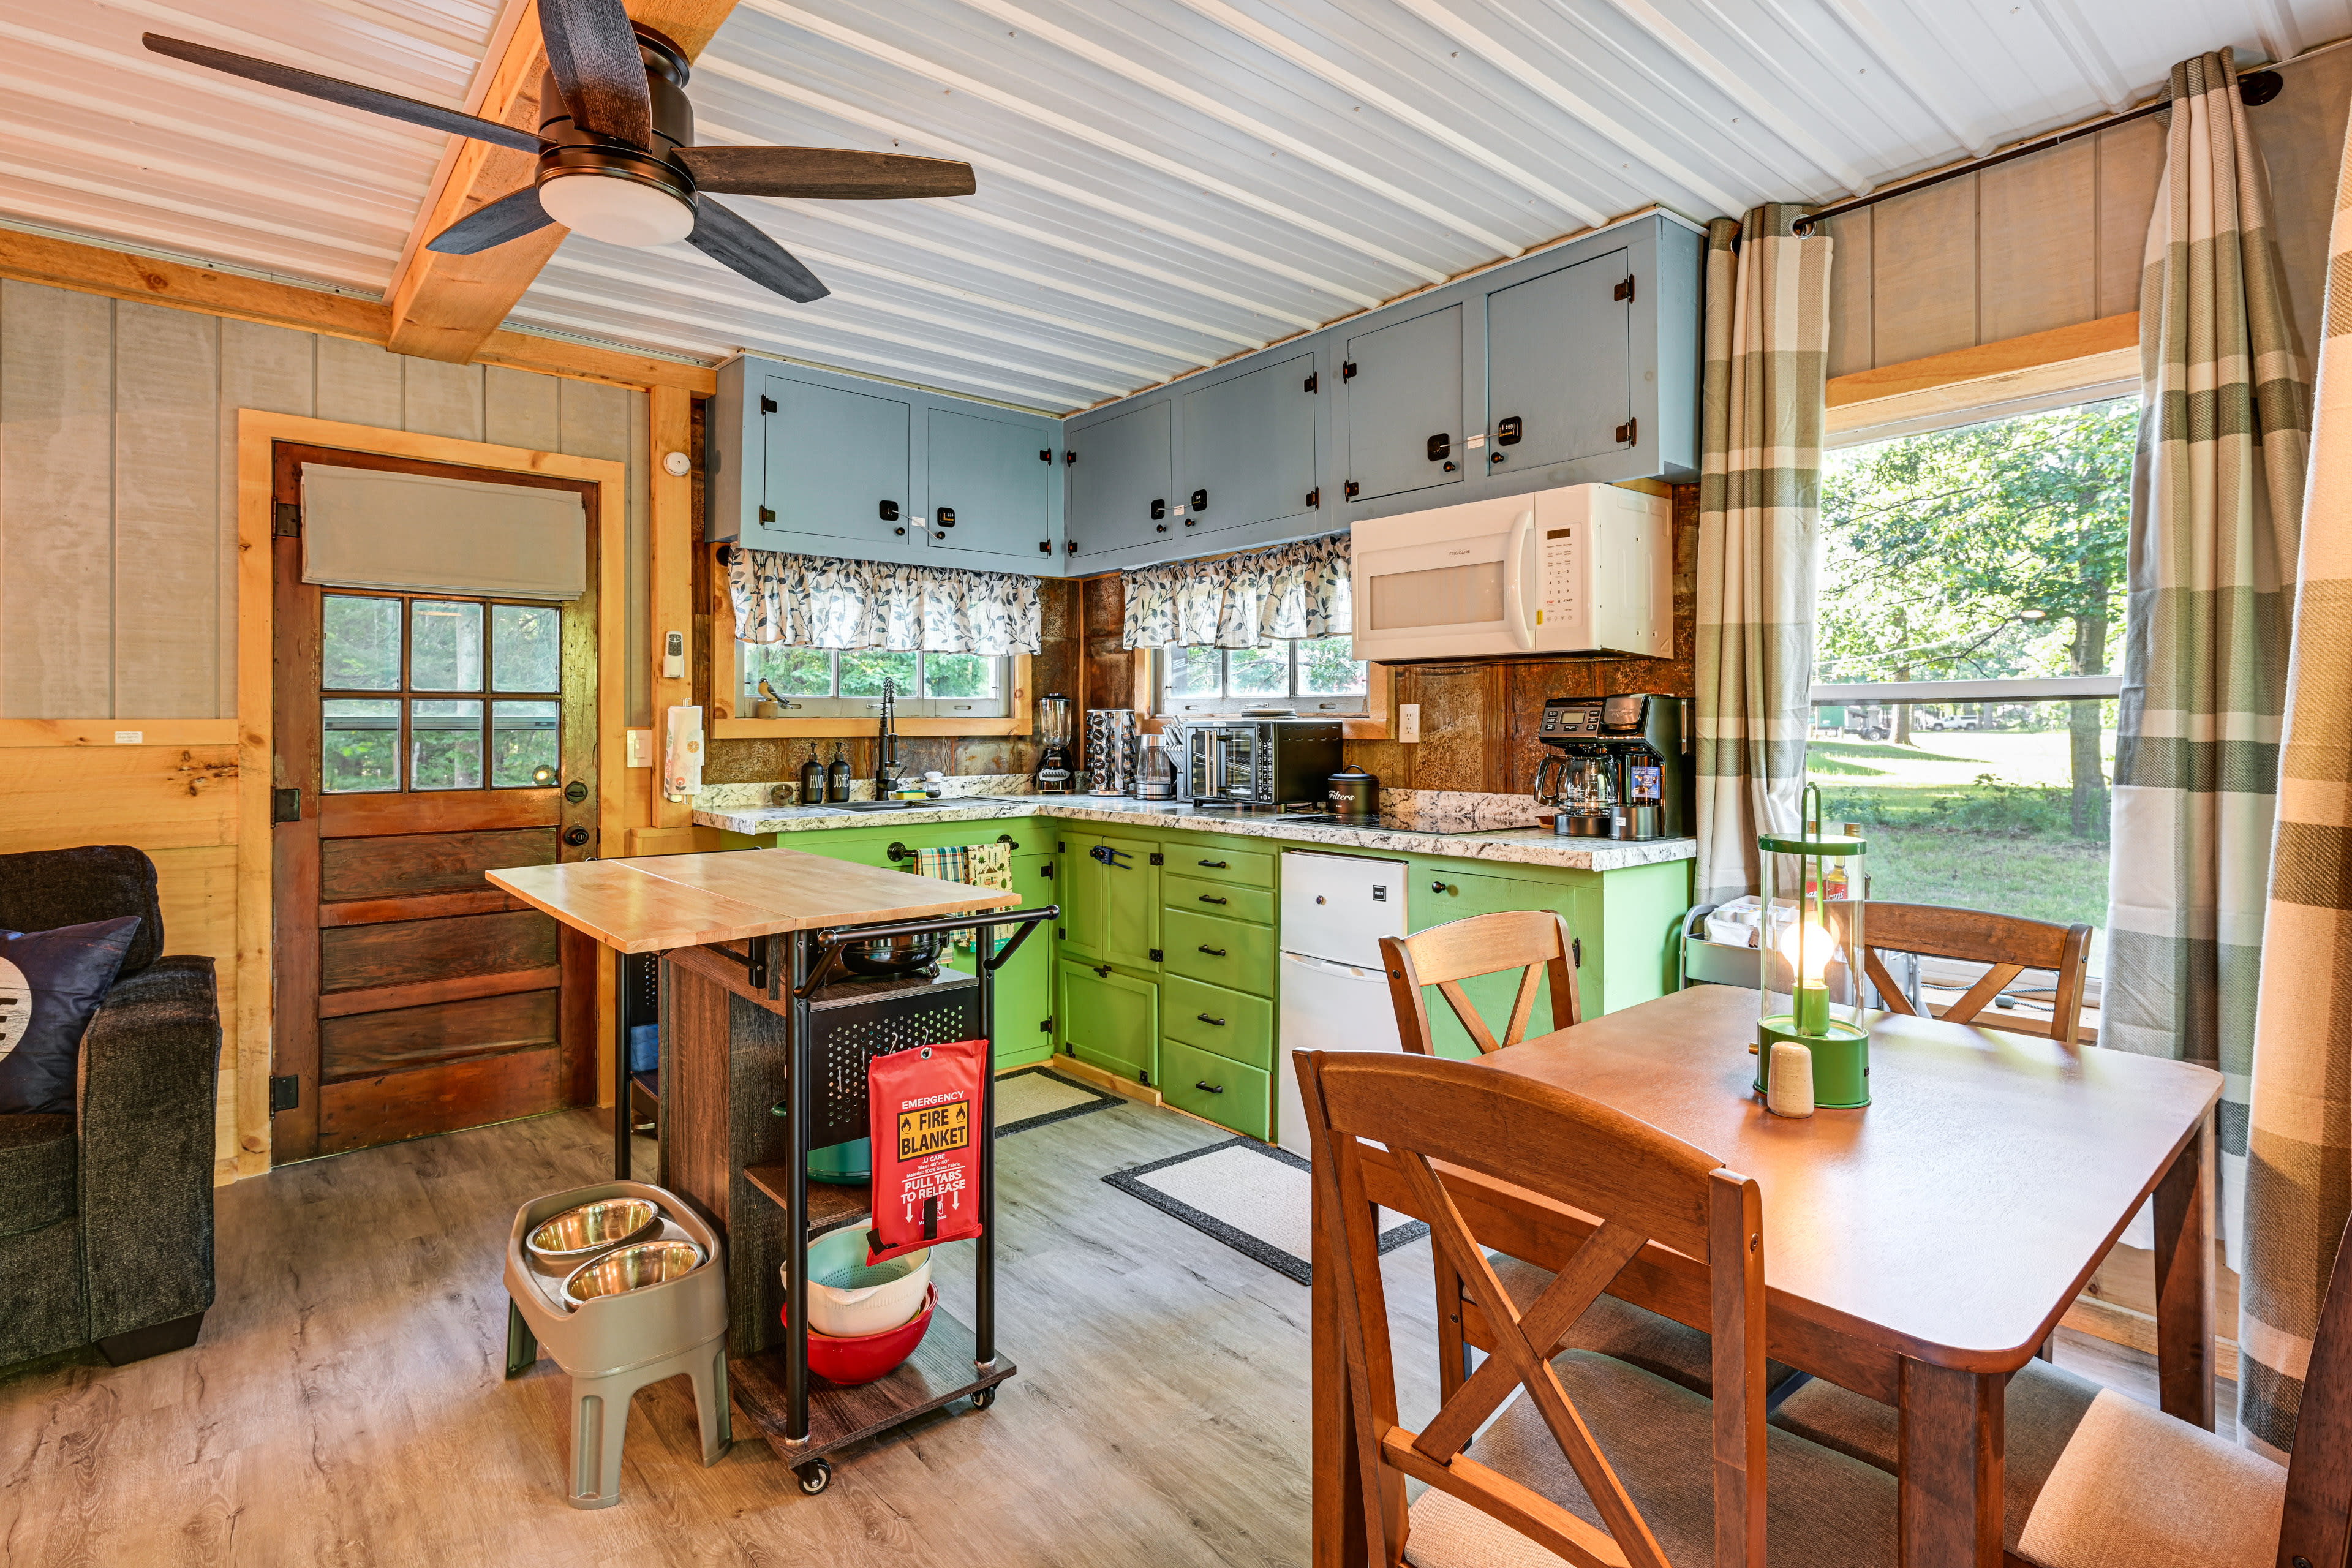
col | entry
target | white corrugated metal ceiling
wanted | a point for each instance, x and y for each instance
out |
(1163, 183)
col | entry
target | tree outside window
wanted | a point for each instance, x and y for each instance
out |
(818, 684)
(1309, 673)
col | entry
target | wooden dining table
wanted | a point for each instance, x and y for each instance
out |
(1919, 1250)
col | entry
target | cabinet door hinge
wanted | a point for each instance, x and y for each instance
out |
(1315, 383)
(1625, 432)
(1062, 931)
(1353, 487)
(1624, 290)
(285, 1093)
(1160, 859)
(1348, 370)
(1315, 496)
(767, 514)
(286, 806)
(1154, 953)
(286, 519)
(1044, 1026)
(1045, 546)
(1069, 456)
(1044, 454)
(767, 405)
(1576, 952)
(1144, 1078)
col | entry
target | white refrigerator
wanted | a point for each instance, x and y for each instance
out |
(1335, 994)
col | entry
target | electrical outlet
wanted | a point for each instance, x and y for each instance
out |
(1408, 723)
(641, 748)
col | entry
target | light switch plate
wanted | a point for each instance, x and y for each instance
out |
(1408, 723)
(641, 748)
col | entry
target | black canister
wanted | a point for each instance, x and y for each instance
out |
(1354, 794)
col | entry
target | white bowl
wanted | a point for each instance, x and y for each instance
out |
(861, 1300)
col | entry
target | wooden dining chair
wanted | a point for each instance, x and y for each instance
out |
(2012, 945)
(1536, 943)
(1594, 1461)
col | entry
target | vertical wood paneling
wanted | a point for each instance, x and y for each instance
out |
(166, 495)
(439, 399)
(597, 422)
(1849, 273)
(1923, 280)
(2037, 227)
(522, 408)
(637, 647)
(275, 369)
(57, 368)
(360, 384)
(2131, 161)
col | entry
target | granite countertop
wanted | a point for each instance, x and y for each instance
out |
(1520, 845)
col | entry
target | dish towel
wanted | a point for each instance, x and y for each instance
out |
(682, 754)
(975, 865)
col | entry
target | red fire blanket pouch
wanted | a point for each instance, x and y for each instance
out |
(924, 1113)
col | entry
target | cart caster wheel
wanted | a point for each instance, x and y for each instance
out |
(814, 1475)
(981, 1398)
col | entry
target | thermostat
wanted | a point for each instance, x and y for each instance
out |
(674, 657)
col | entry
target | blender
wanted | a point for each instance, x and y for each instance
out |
(1054, 763)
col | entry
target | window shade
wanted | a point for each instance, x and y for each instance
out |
(370, 528)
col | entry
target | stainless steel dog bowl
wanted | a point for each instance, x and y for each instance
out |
(632, 1269)
(592, 1227)
(890, 955)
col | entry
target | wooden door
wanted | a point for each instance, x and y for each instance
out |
(423, 739)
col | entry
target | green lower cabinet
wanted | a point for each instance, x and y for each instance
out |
(1110, 898)
(1238, 954)
(1024, 987)
(1230, 1023)
(1218, 899)
(1217, 1088)
(1442, 895)
(1109, 1020)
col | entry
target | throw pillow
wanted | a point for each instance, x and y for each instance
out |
(51, 982)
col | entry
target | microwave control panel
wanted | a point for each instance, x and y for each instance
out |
(1555, 568)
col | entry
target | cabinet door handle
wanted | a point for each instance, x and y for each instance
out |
(1212, 1088)
(1216, 865)
(1213, 952)
(1443, 887)
(1207, 899)
(1104, 971)
(1206, 1019)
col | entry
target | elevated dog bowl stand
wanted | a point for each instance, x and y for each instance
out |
(614, 1345)
(755, 1012)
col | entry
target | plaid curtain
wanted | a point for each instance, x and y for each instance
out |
(2298, 1177)
(1765, 380)
(2217, 491)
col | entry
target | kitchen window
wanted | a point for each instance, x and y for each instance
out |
(813, 683)
(1312, 674)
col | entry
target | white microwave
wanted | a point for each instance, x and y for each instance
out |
(1583, 569)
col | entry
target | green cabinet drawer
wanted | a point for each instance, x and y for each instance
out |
(1218, 899)
(1218, 1090)
(1233, 954)
(1109, 1020)
(1231, 1022)
(871, 846)
(1243, 868)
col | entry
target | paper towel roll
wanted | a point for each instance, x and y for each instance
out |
(1789, 1089)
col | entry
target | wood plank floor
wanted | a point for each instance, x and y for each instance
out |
(348, 1405)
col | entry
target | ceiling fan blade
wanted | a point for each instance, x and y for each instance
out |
(351, 95)
(512, 215)
(593, 54)
(833, 173)
(728, 237)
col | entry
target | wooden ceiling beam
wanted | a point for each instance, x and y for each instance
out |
(447, 307)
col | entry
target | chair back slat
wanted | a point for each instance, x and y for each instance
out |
(1536, 943)
(1644, 1187)
(2010, 944)
(2315, 1527)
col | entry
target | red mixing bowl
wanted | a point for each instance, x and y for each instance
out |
(868, 1356)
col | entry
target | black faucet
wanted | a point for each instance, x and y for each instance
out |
(887, 767)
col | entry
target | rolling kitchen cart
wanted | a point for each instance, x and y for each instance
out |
(756, 1009)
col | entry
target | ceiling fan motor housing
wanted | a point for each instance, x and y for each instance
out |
(623, 217)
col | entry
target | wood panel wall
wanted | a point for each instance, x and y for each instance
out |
(117, 565)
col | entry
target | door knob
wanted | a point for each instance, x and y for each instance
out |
(575, 837)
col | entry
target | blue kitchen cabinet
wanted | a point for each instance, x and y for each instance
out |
(1249, 449)
(988, 483)
(1559, 365)
(836, 462)
(1119, 487)
(1402, 389)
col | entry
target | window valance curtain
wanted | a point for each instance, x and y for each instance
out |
(1247, 600)
(824, 602)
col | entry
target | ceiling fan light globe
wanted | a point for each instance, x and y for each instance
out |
(616, 208)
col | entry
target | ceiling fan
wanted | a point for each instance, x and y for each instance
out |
(616, 154)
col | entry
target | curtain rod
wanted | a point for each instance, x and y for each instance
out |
(2256, 87)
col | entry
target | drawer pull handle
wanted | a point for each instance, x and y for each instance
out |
(1216, 865)
(1213, 952)
(1212, 1088)
(1206, 1019)
(1104, 971)
(1206, 899)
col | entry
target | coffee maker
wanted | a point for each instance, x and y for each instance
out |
(1619, 766)
(1057, 762)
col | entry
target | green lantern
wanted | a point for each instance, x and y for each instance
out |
(1810, 941)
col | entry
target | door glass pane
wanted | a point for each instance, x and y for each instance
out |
(444, 744)
(523, 739)
(526, 648)
(1195, 671)
(959, 675)
(1329, 665)
(1260, 671)
(789, 671)
(444, 646)
(360, 742)
(861, 674)
(361, 644)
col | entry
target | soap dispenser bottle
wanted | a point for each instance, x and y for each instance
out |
(812, 778)
(836, 777)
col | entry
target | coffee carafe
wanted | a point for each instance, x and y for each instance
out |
(1581, 787)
